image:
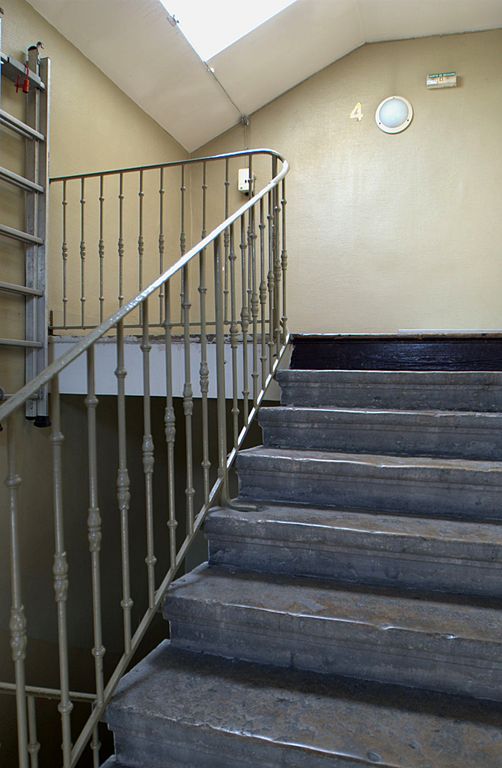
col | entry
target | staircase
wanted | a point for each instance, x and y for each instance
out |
(350, 612)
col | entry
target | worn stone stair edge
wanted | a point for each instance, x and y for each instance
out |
(384, 726)
(417, 378)
(231, 525)
(299, 599)
(271, 520)
(367, 417)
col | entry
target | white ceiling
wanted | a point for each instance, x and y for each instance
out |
(135, 44)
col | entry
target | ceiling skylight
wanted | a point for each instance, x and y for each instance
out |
(212, 25)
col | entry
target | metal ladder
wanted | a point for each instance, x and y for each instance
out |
(35, 183)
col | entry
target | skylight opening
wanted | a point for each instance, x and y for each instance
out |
(212, 25)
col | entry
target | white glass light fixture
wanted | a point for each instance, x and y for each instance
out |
(394, 114)
(212, 25)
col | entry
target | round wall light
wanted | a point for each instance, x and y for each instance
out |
(394, 114)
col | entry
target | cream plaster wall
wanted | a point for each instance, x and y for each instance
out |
(94, 126)
(392, 232)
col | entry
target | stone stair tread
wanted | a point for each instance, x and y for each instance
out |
(374, 460)
(410, 390)
(305, 518)
(456, 619)
(236, 713)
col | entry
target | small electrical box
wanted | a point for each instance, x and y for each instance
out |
(245, 181)
(442, 80)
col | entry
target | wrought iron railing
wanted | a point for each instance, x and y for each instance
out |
(239, 270)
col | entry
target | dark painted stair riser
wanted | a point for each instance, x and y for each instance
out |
(360, 548)
(426, 352)
(403, 433)
(443, 391)
(444, 645)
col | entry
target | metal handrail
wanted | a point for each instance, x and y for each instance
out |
(249, 251)
(30, 390)
(170, 164)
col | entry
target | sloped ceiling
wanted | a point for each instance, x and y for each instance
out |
(136, 45)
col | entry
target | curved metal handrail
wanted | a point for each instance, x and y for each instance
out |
(171, 164)
(33, 387)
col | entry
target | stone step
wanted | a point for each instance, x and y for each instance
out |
(413, 433)
(357, 547)
(451, 645)
(408, 390)
(199, 711)
(406, 485)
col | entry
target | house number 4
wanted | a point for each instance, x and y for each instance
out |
(357, 112)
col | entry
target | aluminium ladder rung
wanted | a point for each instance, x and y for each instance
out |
(17, 234)
(14, 69)
(9, 121)
(22, 289)
(19, 181)
(21, 343)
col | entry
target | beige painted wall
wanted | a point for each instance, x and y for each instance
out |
(94, 126)
(392, 232)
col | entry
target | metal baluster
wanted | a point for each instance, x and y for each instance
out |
(284, 265)
(226, 244)
(170, 428)
(277, 264)
(123, 487)
(141, 239)
(204, 368)
(220, 369)
(263, 298)
(82, 252)
(95, 747)
(17, 623)
(161, 244)
(94, 532)
(234, 337)
(60, 571)
(187, 398)
(270, 284)
(182, 224)
(254, 303)
(64, 254)
(33, 744)
(101, 249)
(121, 240)
(182, 213)
(244, 324)
(148, 457)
